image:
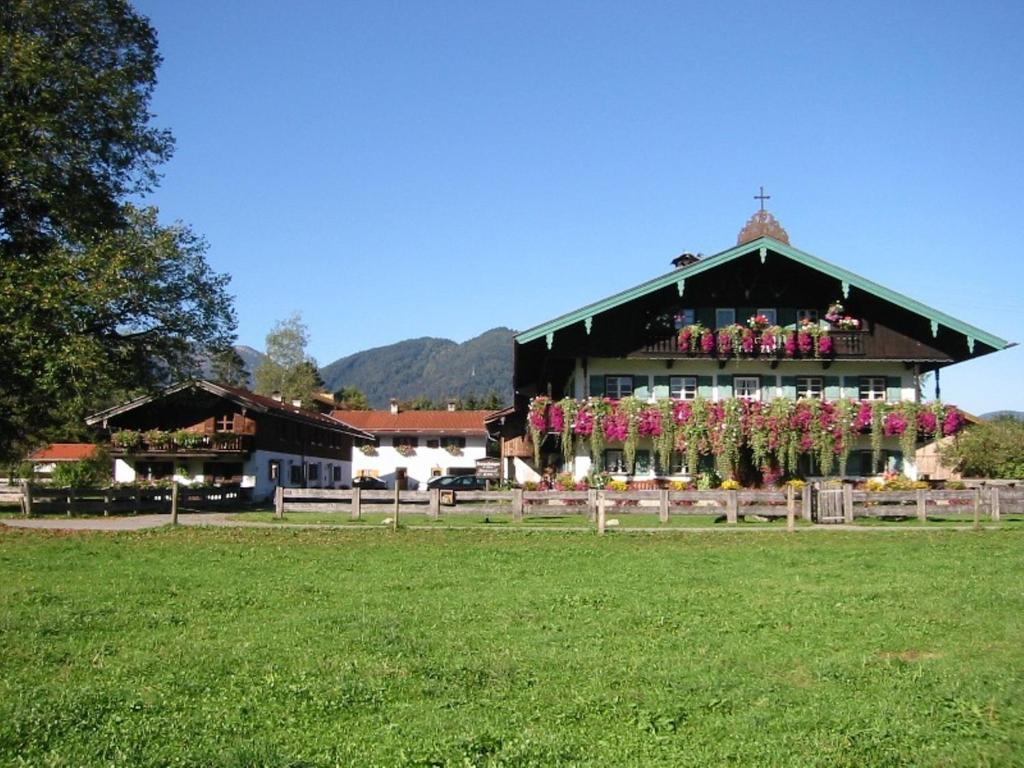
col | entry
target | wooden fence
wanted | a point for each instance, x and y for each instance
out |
(46, 500)
(813, 504)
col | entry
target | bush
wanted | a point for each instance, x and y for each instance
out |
(988, 449)
(94, 472)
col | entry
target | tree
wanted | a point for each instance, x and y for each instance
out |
(228, 368)
(351, 399)
(97, 299)
(287, 368)
(988, 449)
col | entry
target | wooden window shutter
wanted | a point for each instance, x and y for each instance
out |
(724, 387)
(832, 390)
(768, 385)
(661, 386)
(893, 389)
(851, 387)
(597, 386)
(704, 384)
(789, 387)
(641, 387)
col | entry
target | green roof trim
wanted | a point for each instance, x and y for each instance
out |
(846, 278)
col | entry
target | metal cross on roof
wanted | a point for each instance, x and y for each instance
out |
(762, 197)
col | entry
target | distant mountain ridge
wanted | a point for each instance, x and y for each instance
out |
(428, 367)
(1018, 415)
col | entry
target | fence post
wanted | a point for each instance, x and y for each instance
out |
(663, 505)
(806, 502)
(600, 513)
(847, 503)
(732, 506)
(106, 502)
(517, 505)
(922, 505)
(136, 500)
(791, 510)
(398, 496)
(26, 498)
(357, 502)
(977, 508)
(174, 503)
(69, 499)
(592, 502)
(279, 502)
(434, 508)
(993, 503)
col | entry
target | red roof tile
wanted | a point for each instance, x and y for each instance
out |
(440, 422)
(64, 452)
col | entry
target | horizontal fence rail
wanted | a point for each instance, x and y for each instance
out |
(47, 500)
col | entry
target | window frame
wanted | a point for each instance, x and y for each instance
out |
(809, 314)
(800, 395)
(683, 389)
(746, 379)
(620, 464)
(771, 313)
(731, 313)
(619, 379)
(867, 391)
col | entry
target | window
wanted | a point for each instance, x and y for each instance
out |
(682, 387)
(435, 443)
(226, 423)
(336, 473)
(677, 464)
(221, 472)
(685, 317)
(809, 387)
(273, 470)
(872, 388)
(453, 442)
(153, 470)
(724, 317)
(618, 387)
(399, 441)
(615, 461)
(810, 315)
(295, 474)
(643, 463)
(747, 387)
(313, 471)
(769, 313)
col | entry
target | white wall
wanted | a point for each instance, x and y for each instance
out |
(422, 464)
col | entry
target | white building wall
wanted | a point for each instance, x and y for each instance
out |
(422, 464)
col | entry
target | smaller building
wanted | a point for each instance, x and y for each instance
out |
(203, 432)
(46, 459)
(414, 446)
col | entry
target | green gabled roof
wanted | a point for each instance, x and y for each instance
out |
(843, 275)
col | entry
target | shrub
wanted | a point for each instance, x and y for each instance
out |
(128, 439)
(88, 473)
(730, 485)
(617, 485)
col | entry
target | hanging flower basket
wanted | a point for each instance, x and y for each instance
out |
(368, 449)
(453, 449)
(405, 449)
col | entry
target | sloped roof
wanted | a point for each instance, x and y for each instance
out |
(411, 422)
(243, 398)
(64, 452)
(765, 245)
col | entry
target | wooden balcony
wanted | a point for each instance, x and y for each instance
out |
(845, 344)
(206, 445)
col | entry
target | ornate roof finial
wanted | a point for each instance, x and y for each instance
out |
(762, 224)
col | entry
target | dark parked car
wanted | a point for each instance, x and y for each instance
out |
(458, 483)
(368, 483)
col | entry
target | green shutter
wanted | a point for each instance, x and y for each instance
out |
(744, 313)
(832, 390)
(661, 386)
(851, 387)
(789, 387)
(724, 387)
(893, 388)
(704, 387)
(706, 316)
(786, 316)
(641, 387)
(597, 386)
(768, 385)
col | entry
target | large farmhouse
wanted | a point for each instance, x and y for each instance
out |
(761, 359)
(413, 446)
(204, 432)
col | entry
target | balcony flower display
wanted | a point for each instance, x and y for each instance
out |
(847, 323)
(776, 432)
(127, 439)
(835, 312)
(758, 322)
(707, 341)
(368, 449)
(405, 449)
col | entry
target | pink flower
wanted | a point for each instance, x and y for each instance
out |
(584, 424)
(707, 341)
(894, 424)
(684, 339)
(537, 421)
(927, 423)
(825, 345)
(681, 412)
(953, 421)
(767, 341)
(616, 426)
(790, 344)
(805, 342)
(556, 418)
(724, 342)
(747, 343)
(862, 421)
(650, 422)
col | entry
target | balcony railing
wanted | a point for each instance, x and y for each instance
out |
(201, 444)
(845, 343)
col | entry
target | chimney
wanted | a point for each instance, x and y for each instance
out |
(394, 405)
(685, 259)
(451, 404)
(276, 395)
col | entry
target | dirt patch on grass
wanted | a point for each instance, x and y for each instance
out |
(910, 655)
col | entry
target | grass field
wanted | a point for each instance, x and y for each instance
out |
(279, 647)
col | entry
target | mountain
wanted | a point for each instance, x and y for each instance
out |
(251, 357)
(1018, 415)
(429, 367)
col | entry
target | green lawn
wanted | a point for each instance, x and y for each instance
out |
(286, 647)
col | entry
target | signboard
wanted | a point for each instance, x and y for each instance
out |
(448, 498)
(488, 469)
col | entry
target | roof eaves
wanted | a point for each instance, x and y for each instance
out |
(845, 276)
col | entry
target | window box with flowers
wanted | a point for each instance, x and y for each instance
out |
(405, 449)
(127, 440)
(157, 439)
(453, 448)
(368, 449)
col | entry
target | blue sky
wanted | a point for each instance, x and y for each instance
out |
(402, 169)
